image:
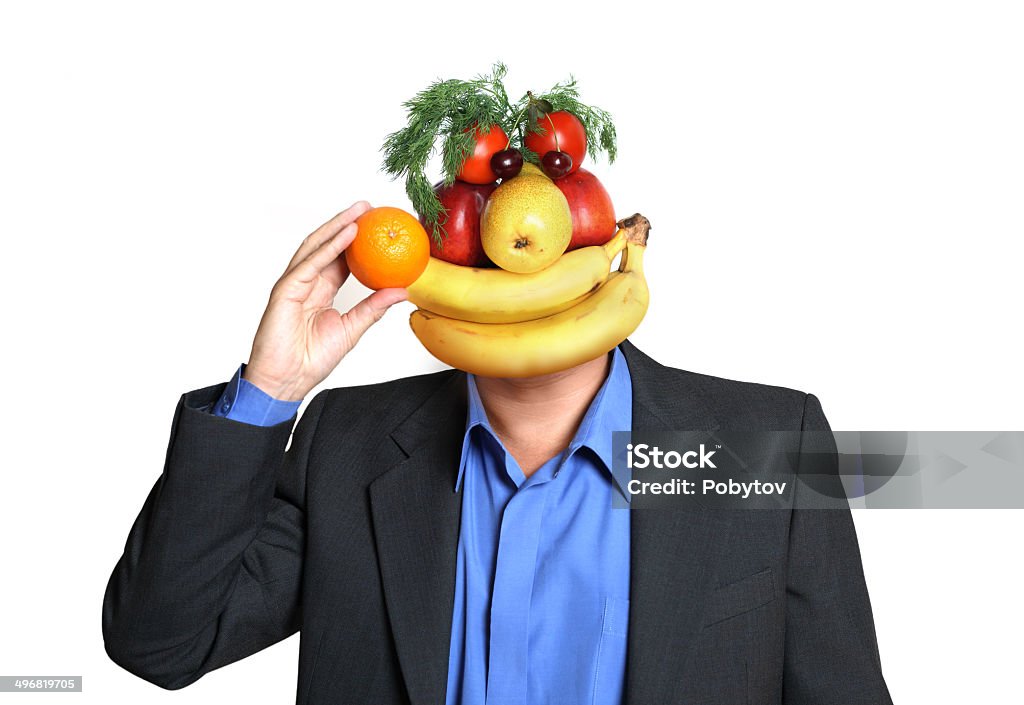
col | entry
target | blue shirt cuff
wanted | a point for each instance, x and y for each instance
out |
(244, 401)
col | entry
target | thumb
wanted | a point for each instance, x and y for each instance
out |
(370, 310)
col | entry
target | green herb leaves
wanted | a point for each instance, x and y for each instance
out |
(450, 110)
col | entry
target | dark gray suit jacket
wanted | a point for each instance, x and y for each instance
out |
(351, 537)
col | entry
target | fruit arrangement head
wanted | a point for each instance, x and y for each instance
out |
(549, 226)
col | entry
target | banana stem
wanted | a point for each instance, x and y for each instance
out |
(637, 229)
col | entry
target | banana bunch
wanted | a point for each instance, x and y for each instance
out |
(497, 296)
(500, 324)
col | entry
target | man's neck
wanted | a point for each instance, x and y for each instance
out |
(536, 417)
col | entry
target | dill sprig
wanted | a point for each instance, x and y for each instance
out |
(447, 110)
(443, 110)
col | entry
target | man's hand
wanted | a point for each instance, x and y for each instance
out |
(301, 336)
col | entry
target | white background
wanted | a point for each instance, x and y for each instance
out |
(835, 189)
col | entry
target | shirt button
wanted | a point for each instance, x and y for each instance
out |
(225, 406)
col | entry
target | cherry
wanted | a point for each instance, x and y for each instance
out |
(556, 164)
(507, 163)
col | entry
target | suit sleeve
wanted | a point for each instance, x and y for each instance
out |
(831, 653)
(211, 569)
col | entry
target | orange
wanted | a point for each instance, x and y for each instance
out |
(391, 248)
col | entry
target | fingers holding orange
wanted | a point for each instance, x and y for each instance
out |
(327, 231)
(390, 250)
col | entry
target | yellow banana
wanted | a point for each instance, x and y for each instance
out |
(557, 342)
(496, 296)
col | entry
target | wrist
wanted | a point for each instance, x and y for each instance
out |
(276, 389)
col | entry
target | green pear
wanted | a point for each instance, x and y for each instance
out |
(526, 224)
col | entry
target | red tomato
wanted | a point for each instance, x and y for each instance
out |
(572, 138)
(477, 169)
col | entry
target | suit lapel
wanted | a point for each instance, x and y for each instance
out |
(416, 515)
(673, 553)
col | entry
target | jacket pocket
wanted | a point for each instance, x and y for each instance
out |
(740, 597)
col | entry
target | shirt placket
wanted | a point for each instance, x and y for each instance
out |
(515, 570)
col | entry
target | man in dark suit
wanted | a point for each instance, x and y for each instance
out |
(450, 539)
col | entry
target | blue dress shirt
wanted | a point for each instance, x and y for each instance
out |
(542, 578)
(542, 584)
(244, 401)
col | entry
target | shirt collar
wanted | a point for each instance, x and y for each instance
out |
(611, 410)
(476, 416)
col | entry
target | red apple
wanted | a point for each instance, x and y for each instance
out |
(593, 217)
(463, 203)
